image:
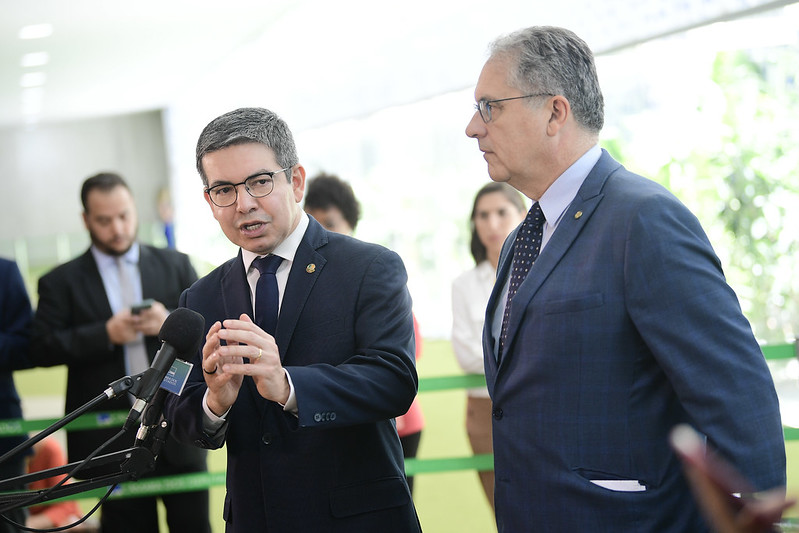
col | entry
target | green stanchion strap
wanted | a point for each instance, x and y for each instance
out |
(205, 480)
(449, 464)
(439, 383)
(779, 351)
(19, 426)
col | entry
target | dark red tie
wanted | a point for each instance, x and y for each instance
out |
(266, 294)
(525, 251)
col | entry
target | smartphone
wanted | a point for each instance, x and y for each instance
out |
(141, 306)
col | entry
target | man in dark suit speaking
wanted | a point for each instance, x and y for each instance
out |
(610, 322)
(100, 315)
(309, 353)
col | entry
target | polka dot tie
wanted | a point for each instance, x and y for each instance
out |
(525, 251)
(266, 294)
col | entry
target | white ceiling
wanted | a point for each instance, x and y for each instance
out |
(110, 57)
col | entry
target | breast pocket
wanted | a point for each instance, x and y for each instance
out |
(574, 303)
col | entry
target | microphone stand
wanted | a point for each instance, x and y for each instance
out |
(133, 462)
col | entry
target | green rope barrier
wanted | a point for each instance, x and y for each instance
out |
(206, 480)
(779, 351)
(439, 383)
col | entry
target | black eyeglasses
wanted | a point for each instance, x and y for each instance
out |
(484, 106)
(257, 186)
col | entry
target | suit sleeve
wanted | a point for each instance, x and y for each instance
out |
(691, 320)
(379, 380)
(57, 339)
(15, 320)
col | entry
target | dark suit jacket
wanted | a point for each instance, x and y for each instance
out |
(345, 335)
(69, 328)
(15, 320)
(624, 328)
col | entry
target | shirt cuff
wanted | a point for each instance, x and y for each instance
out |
(211, 422)
(291, 403)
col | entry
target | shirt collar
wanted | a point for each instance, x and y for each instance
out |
(104, 260)
(561, 193)
(286, 249)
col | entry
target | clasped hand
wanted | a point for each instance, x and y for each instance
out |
(247, 351)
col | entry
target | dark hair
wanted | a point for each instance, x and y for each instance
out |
(248, 125)
(553, 60)
(478, 250)
(104, 181)
(324, 191)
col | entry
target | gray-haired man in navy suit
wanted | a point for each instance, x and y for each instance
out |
(619, 329)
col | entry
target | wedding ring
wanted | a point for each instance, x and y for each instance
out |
(257, 356)
(207, 372)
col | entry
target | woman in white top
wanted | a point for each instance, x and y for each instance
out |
(497, 209)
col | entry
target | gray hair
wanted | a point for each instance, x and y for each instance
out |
(248, 125)
(554, 60)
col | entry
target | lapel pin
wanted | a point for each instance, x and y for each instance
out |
(578, 214)
(311, 268)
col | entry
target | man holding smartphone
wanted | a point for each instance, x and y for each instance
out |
(100, 314)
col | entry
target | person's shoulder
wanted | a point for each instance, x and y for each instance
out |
(169, 254)
(213, 277)
(467, 275)
(69, 268)
(7, 267)
(352, 245)
(635, 191)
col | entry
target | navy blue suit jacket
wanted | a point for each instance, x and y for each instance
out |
(345, 335)
(624, 328)
(15, 320)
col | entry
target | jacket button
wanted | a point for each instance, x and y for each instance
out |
(267, 438)
(497, 413)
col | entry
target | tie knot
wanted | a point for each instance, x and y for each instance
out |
(267, 264)
(535, 216)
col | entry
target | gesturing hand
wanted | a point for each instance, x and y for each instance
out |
(245, 340)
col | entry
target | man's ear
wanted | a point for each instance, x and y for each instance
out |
(209, 202)
(298, 182)
(560, 111)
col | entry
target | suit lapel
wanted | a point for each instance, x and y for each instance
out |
(92, 285)
(236, 301)
(305, 270)
(571, 224)
(149, 275)
(235, 292)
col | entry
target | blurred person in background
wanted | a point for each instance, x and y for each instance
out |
(15, 321)
(332, 202)
(48, 453)
(100, 314)
(497, 209)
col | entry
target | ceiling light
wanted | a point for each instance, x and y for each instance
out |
(34, 59)
(35, 31)
(33, 79)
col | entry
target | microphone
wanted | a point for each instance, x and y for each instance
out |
(181, 334)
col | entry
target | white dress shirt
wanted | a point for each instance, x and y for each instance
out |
(287, 250)
(470, 293)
